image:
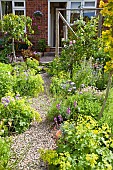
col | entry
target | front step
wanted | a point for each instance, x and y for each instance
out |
(45, 60)
(49, 54)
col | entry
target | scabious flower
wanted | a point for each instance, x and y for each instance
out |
(68, 110)
(60, 118)
(6, 100)
(75, 104)
(58, 106)
(55, 119)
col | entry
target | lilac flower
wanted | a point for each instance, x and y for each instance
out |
(82, 85)
(75, 104)
(17, 96)
(58, 106)
(72, 83)
(60, 118)
(68, 110)
(5, 100)
(55, 119)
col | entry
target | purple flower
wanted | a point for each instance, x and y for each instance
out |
(58, 106)
(68, 110)
(38, 27)
(75, 104)
(5, 101)
(60, 118)
(55, 119)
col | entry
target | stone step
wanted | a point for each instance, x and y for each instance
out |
(50, 54)
(45, 60)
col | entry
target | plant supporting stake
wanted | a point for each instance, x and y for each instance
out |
(106, 96)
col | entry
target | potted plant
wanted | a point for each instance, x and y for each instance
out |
(41, 45)
(47, 48)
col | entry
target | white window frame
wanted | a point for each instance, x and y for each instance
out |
(14, 8)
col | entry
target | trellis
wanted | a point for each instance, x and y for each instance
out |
(67, 24)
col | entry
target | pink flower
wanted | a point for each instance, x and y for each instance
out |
(70, 42)
(39, 27)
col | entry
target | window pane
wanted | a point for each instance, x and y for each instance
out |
(19, 12)
(19, 4)
(75, 5)
(6, 7)
(89, 14)
(89, 4)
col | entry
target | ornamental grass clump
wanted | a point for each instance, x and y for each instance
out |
(15, 114)
(83, 145)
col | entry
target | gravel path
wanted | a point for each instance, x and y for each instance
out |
(39, 135)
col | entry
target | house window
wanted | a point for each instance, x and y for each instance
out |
(6, 7)
(19, 12)
(75, 5)
(19, 4)
(89, 4)
(83, 4)
(16, 7)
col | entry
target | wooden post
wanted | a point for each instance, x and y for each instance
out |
(100, 25)
(57, 34)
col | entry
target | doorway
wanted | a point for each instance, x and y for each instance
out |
(53, 6)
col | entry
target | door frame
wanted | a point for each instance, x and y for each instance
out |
(49, 17)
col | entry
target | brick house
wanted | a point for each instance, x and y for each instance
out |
(45, 25)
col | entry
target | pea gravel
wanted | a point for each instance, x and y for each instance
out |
(39, 135)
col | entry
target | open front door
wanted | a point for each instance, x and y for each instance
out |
(53, 6)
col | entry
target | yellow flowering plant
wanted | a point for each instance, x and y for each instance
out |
(84, 145)
(107, 37)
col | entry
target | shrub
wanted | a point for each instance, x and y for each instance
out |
(6, 79)
(28, 83)
(15, 115)
(84, 102)
(4, 153)
(83, 145)
(62, 86)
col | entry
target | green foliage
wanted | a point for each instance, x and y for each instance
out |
(61, 86)
(15, 25)
(4, 153)
(41, 45)
(87, 102)
(15, 114)
(22, 78)
(6, 79)
(108, 112)
(28, 83)
(32, 64)
(83, 145)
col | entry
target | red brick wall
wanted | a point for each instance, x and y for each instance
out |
(40, 24)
